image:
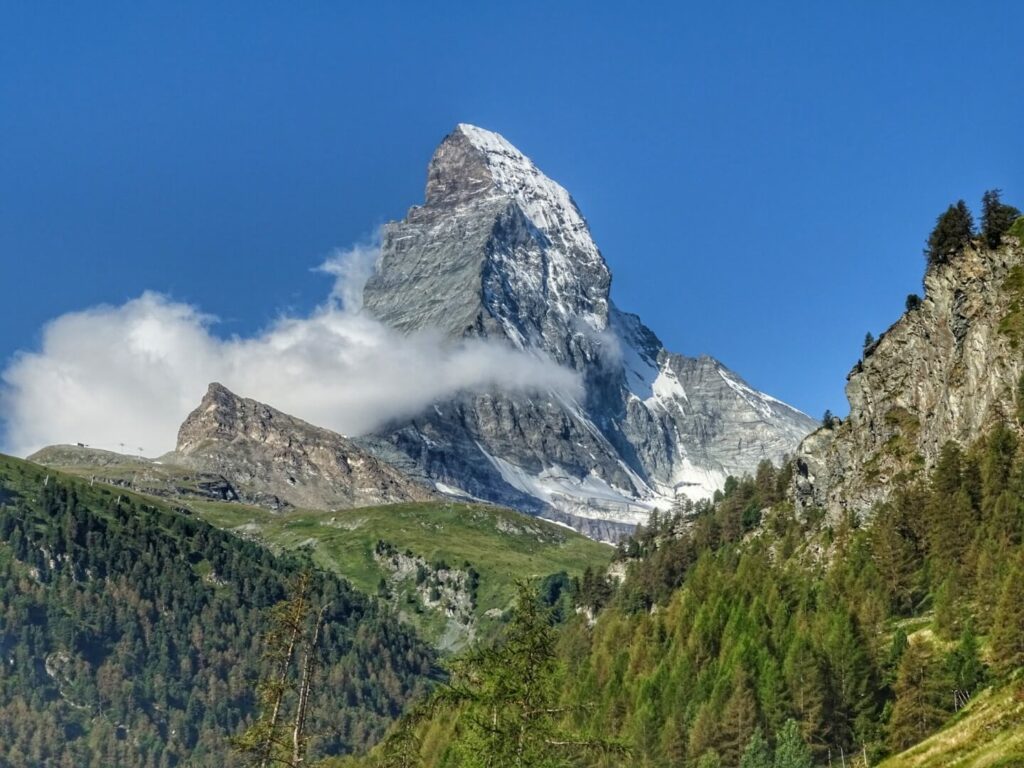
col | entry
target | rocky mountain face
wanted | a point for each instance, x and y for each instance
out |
(499, 250)
(232, 448)
(274, 460)
(944, 371)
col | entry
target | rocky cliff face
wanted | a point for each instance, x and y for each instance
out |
(944, 371)
(499, 250)
(275, 460)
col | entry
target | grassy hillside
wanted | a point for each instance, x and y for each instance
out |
(132, 633)
(500, 545)
(989, 732)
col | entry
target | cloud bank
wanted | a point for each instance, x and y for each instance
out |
(124, 377)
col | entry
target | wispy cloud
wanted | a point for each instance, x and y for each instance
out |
(127, 375)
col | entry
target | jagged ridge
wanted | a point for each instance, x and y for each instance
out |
(499, 250)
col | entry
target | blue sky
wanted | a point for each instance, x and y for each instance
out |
(760, 176)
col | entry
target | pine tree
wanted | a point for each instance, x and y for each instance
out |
(739, 719)
(894, 554)
(850, 674)
(507, 699)
(805, 680)
(997, 464)
(964, 663)
(949, 609)
(1008, 624)
(791, 751)
(917, 710)
(996, 217)
(277, 738)
(757, 754)
(953, 232)
(913, 302)
(899, 646)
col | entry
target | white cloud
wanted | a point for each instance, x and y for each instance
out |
(351, 268)
(124, 377)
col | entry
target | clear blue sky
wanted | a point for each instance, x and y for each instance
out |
(760, 176)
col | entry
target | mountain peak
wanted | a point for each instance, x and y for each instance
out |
(489, 141)
(500, 250)
(277, 460)
(497, 249)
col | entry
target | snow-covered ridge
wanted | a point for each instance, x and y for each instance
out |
(552, 211)
(500, 250)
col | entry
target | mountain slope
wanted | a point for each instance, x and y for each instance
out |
(131, 633)
(947, 370)
(499, 250)
(429, 544)
(751, 625)
(988, 732)
(449, 569)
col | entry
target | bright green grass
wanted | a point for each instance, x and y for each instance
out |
(988, 733)
(502, 545)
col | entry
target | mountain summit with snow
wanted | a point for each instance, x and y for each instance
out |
(499, 250)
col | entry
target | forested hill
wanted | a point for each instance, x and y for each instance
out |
(130, 634)
(746, 629)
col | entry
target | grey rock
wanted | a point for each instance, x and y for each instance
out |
(276, 460)
(500, 251)
(947, 370)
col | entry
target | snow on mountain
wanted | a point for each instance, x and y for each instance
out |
(499, 250)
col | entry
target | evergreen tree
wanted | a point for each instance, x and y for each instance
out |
(868, 341)
(953, 232)
(896, 650)
(1008, 623)
(917, 710)
(964, 663)
(805, 680)
(997, 464)
(1020, 399)
(894, 554)
(739, 719)
(791, 751)
(913, 302)
(757, 754)
(996, 217)
(506, 698)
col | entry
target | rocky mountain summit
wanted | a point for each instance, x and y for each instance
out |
(498, 250)
(232, 448)
(273, 459)
(946, 370)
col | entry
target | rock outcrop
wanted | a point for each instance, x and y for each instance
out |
(498, 250)
(946, 370)
(275, 460)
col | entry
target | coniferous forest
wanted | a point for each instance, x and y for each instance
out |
(746, 636)
(132, 634)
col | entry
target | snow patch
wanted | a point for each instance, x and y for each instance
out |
(590, 497)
